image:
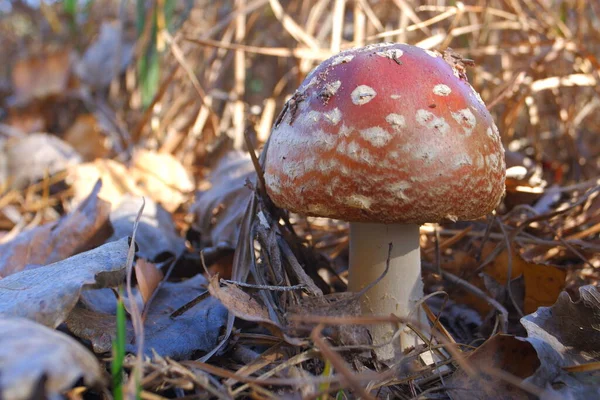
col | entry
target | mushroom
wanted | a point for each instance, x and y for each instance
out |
(387, 137)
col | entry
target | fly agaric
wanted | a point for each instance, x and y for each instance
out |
(388, 137)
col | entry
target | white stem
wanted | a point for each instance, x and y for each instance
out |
(402, 287)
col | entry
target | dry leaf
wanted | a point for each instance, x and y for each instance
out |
(565, 335)
(41, 76)
(106, 57)
(32, 355)
(502, 352)
(47, 294)
(87, 137)
(163, 178)
(196, 330)
(158, 176)
(218, 211)
(116, 180)
(156, 236)
(29, 158)
(240, 303)
(148, 276)
(84, 228)
(543, 283)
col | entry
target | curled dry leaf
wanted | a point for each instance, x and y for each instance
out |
(47, 294)
(565, 335)
(31, 355)
(218, 211)
(195, 330)
(29, 158)
(246, 307)
(240, 303)
(84, 228)
(148, 276)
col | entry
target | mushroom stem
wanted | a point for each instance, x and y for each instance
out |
(400, 290)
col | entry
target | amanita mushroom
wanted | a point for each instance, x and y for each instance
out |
(387, 137)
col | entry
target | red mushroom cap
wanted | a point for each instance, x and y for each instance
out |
(387, 133)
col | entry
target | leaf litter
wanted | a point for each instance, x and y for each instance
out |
(233, 297)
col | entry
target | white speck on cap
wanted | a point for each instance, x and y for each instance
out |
(312, 81)
(334, 116)
(319, 209)
(479, 163)
(378, 45)
(466, 119)
(376, 135)
(432, 53)
(362, 95)
(392, 54)
(332, 87)
(477, 96)
(326, 166)
(395, 96)
(398, 189)
(345, 131)
(343, 59)
(353, 148)
(324, 139)
(312, 117)
(441, 90)
(274, 182)
(397, 121)
(461, 160)
(429, 120)
(493, 161)
(293, 169)
(366, 157)
(359, 201)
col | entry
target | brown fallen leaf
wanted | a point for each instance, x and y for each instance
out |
(31, 355)
(87, 137)
(84, 228)
(501, 352)
(148, 276)
(246, 307)
(240, 303)
(543, 282)
(41, 76)
(47, 294)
